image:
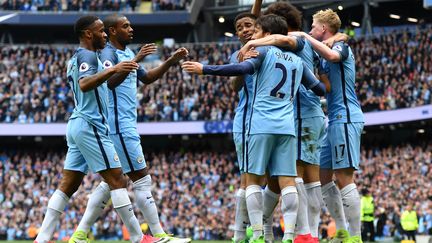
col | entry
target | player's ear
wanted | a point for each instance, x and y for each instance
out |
(87, 33)
(111, 31)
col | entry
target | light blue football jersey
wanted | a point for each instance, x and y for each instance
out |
(122, 99)
(275, 83)
(343, 105)
(92, 105)
(240, 121)
(307, 104)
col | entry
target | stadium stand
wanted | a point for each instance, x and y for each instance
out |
(195, 192)
(86, 5)
(393, 75)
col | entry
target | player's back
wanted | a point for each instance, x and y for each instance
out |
(91, 105)
(343, 105)
(307, 103)
(275, 85)
(122, 99)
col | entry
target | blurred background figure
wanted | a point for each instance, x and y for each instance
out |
(367, 216)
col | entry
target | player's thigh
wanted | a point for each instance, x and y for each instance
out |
(309, 139)
(129, 150)
(345, 144)
(96, 148)
(283, 157)
(239, 143)
(326, 153)
(258, 151)
(74, 159)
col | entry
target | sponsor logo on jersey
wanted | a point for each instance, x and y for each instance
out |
(338, 47)
(107, 64)
(84, 67)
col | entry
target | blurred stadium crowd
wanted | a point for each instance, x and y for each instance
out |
(393, 71)
(195, 192)
(88, 5)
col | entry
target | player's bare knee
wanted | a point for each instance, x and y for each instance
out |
(138, 174)
(273, 185)
(70, 182)
(326, 176)
(344, 177)
(114, 178)
(285, 181)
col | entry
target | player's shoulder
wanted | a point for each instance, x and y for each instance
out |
(85, 53)
(108, 50)
(340, 46)
(86, 56)
(233, 57)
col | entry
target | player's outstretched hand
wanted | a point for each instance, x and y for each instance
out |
(180, 54)
(145, 50)
(193, 67)
(242, 52)
(126, 66)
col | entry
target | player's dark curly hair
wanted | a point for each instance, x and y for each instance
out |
(243, 15)
(83, 23)
(273, 24)
(292, 15)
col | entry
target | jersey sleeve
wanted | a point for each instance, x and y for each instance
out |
(233, 57)
(87, 62)
(257, 61)
(308, 79)
(141, 72)
(300, 44)
(342, 49)
(108, 57)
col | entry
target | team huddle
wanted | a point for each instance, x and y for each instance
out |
(279, 128)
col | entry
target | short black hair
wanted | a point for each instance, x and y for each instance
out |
(111, 21)
(243, 15)
(292, 15)
(83, 23)
(273, 24)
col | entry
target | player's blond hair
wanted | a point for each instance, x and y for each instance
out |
(329, 18)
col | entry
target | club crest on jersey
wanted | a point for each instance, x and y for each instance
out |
(107, 64)
(140, 159)
(84, 67)
(116, 158)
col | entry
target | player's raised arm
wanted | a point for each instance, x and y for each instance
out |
(90, 79)
(156, 73)
(256, 8)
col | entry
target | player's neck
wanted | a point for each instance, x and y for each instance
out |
(87, 46)
(327, 35)
(117, 45)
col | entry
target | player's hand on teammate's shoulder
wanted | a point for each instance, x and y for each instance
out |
(247, 51)
(193, 67)
(180, 54)
(145, 50)
(126, 66)
(252, 53)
